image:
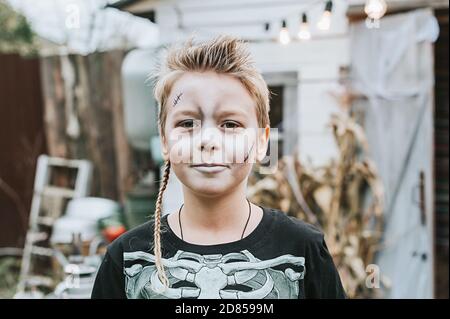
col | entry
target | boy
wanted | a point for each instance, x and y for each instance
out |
(214, 124)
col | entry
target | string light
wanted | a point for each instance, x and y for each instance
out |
(284, 36)
(375, 10)
(303, 32)
(325, 21)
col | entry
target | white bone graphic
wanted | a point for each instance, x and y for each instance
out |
(207, 276)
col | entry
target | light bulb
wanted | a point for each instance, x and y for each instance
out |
(303, 32)
(284, 36)
(375, 9)
(325, 21)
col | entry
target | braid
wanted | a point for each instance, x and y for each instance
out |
(157, 230)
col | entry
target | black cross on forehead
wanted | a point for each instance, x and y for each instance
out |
(177, 99)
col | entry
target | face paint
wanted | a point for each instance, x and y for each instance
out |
(177, 99)
(248, 154)
(210, 156)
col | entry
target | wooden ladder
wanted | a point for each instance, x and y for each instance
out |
(42, 187)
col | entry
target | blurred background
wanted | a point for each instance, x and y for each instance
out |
(359, 102)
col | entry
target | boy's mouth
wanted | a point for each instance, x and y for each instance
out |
(209, 167)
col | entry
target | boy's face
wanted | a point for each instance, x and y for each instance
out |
(211, 132)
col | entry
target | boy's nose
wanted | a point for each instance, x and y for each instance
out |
(210, 139)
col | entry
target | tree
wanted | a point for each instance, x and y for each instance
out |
(16, 35)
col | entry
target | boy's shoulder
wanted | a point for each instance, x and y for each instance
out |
(137, 238)
(295, 228)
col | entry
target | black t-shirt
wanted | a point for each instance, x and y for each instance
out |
(282, 258)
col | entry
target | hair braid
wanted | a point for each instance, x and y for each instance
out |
(157, 229)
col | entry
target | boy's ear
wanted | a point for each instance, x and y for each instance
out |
(263, 143)
(164, 145)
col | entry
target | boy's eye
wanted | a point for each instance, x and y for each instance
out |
(186, 123)
(231, 125)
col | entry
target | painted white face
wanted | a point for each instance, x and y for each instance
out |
(211, 132)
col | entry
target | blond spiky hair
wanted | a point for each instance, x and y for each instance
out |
(224, 55)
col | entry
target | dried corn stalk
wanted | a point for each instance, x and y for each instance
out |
(344, 199)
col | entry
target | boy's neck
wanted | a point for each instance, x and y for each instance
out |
(215, 213)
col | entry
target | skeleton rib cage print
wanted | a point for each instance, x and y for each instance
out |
(231, 276)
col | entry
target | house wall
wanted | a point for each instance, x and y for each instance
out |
(316, 65)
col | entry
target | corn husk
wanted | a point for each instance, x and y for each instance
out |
(344, 199)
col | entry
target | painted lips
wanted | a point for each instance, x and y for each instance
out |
(209, 168)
